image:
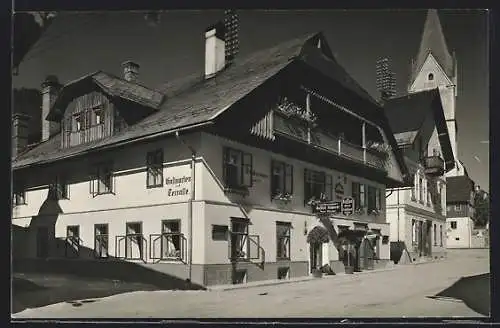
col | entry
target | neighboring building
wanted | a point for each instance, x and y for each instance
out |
(460, 211)
(26, 118)
(209, 178)
(434, 67)
(417, 212)
(386, 80)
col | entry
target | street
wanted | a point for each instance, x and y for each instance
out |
(405, 291)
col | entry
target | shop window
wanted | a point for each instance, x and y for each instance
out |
(134, 241)
(359, 195)
(219, 232)
(242, 246)
(72, 248)
(102, 180)
(317, 185)
(283, 240)
(237, 169)
(172, 240)
(281, 179)
(154, 163)
(101, 240)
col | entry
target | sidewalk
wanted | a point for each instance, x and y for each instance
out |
(261, 283)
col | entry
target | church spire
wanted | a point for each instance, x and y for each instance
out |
(433, 41)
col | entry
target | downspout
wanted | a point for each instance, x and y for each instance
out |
(190, 205)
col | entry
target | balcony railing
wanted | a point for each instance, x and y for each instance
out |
(295, 130)
(434, 165)
(93, 133)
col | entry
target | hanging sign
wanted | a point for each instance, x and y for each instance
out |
(347, 206)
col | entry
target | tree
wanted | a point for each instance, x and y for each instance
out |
(482, 208)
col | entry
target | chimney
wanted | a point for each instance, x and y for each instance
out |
(214, 49)
(130, 71)
(231, 39)
(50, 90)
(20, 130)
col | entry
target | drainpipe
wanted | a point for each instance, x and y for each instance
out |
(190, 205)
(398, 213)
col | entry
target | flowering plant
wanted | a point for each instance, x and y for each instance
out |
(375, 212)
(359, 210)
(380, 147)
(289, 108)
(285, 197)
(313, 201)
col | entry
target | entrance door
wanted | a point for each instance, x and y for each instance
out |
(367, 254)
(316, 255)
(42, 242)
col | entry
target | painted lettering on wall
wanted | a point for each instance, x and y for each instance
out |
(258, 177)
(178, 186)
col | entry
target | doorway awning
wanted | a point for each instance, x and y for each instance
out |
(318, 235)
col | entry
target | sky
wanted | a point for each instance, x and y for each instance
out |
(77, 44)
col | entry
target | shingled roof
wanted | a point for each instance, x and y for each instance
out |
(111, 85)
(196, 101)
(458, 189)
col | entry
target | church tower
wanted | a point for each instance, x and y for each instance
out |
(434, 67)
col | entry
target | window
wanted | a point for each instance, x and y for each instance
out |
(414, 232)
(421, 190)
(430, 77)
(219, 232)
(281, 178)
(283, 273)
(239, 236)
(457, 207)
(237, 170)
(134, 240)
(453, 224)
(72, 248)
(283, 240)
(317, 185)
(19, 195)
(359, 195)
(172, 240)
(441, 235)
(98, 116)
(154, 163)
(59, 189)
(102, 181)
(413, 188)
(435, 234)
(101, 240)
(428, 193)
(372, 199)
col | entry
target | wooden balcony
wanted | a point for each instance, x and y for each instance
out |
(434, 165)
(83, 136)
(294, 129)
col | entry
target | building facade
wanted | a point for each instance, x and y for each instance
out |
(417, 212)
(211, 179)
(460, 212)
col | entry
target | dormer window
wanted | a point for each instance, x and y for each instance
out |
(430, 77)
(98, 115)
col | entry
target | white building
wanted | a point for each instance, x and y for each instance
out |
(208, 178)
(417, 213)
(460, 211)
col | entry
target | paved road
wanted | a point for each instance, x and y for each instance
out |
(402, 292)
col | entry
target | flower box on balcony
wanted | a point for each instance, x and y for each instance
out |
(434, 165)
(291, 109)
(283, 197)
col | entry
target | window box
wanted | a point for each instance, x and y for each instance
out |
(281, 181)
(291, 109)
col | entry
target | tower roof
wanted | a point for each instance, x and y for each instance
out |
(433, 41)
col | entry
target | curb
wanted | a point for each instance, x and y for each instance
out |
(265, 283)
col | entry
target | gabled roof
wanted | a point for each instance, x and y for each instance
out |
(195, 101)
(407, 114)
(458, 189)
(111, 85)
(433, 41)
